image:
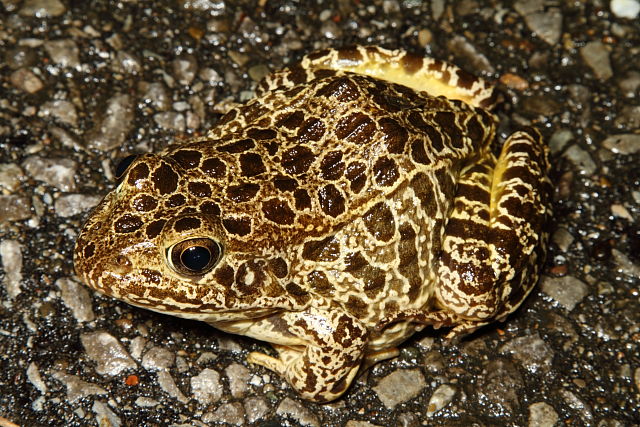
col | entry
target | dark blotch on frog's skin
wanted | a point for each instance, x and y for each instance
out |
(127, 223)
(165, 179)
(278, 211)
(380, 222)
(185, 224)
(237, 226)
(199, 189)
(243, 192)
(331, 200)
(214, 167)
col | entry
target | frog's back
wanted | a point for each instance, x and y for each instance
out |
(348, 179)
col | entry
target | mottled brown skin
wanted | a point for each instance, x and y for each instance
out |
(339, 213)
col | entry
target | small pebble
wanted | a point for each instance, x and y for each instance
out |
(104, 415)
(10, 176)
(541, 414)
(158, 358)
(63, 111)
(531, 351)
(238, 376)
(14, 208)
(64, 53)
(42, 8)
(168, 384)
(596, 55)
(400, 386)
(295, 410)
(55, 172)
(568, 291)
(25, 80)
(77, 388)
(206, 386)
(77, 298)
(113, 124)
(69, 205)
(440, 398)
(628, 9)
(255, 408)
(11, 256)
(106, 351)
(231, 413)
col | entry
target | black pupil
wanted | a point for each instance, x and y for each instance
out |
(124, 165)
(195, 258)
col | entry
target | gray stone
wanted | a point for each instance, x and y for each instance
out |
(62, 111)
(10, 176)
(33, 375)
(69, 205)
(568, 291)
(156, 95)
(628, 118)
(563, 239)
(581, 159)
(547, 24)
(531, 351)
(626, 143)
(77, 388)
(206, 386)
(113, 124)
(170, 120)
(400, 386)
(26, 80)
(42, 8)
(255, 408)
(126, 62)
(578, 405)
(297, 411)
(231, 413)
(14, 208)
(596, 55)
(630, 84)
(467, 52)
(104, 415)
(76, 297)
(21, 57)
(146, 402)
(185, 69)
(238, 379)
(500, 385)
(55, 172)
(107, 353)
(354, 423)
(542, 414)
(11, 257)
(167, 383)
(559, 140)
(440, 398)
(64, 52)
(624, 264)
(158, 358)
(627, 9)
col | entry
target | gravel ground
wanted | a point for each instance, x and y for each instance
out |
(84, 83)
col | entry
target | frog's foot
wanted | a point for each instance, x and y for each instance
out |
(323, 368)
(495, 237)
(422, 74)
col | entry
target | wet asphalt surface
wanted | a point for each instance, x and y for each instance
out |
(85, 83)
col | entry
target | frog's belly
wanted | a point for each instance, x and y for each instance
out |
(393, 336)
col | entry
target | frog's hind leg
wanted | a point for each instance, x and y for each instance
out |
(438, 78)
(417, 72)
(495, 237)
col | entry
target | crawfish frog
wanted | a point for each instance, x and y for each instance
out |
(353, 201)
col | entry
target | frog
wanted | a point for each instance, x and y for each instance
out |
(354, 201)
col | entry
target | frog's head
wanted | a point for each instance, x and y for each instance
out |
(159, 241)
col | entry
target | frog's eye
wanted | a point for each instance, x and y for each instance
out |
(194, 257)
(124, 164)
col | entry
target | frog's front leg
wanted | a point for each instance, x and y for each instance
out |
(496, 236)
(330, 346)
